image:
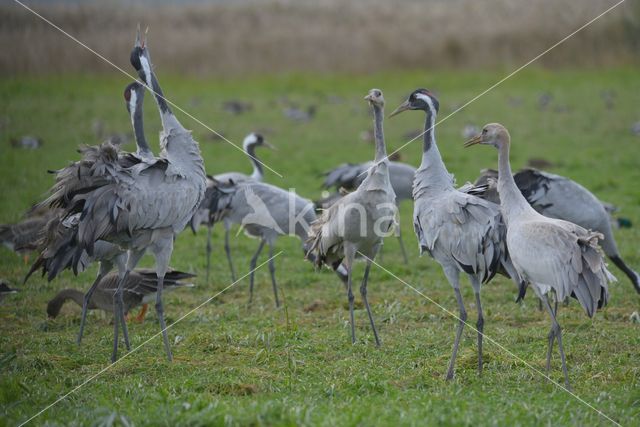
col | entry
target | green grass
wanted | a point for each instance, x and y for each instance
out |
(267, 366)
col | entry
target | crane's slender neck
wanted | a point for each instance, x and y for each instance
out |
(432, 173)
(258, 172)
(378, 117)
(138, 127)
(511, 199)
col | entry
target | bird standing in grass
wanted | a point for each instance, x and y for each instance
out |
(552, 255)
(462, 232)
(559, 197)
(356, 224)
(140, 287)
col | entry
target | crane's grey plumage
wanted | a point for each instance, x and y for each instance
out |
(356, 223)
(552, 255)
(265, 212)
(140, 287)
(142, 206)
(462, 232)
(349, 176)
(559, 197)
(59, 247)
(202, 215)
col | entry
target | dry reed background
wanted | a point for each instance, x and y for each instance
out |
(227, 38)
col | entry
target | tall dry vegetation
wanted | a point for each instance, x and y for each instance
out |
(324, 36)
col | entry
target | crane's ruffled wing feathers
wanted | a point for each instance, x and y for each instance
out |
(325, 242)
(463, 227)
(564, 257)
(347, 175)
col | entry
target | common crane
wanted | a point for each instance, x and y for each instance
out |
(552, 255)
(355, 224)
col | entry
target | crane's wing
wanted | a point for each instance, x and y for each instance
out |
(464, 227)
(347, 175)
(563, 256)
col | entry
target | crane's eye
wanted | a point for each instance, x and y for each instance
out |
(377, 93)
(484, 131)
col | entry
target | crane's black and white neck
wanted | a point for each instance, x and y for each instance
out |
(134, 97)
(432, 173)
(249, 145)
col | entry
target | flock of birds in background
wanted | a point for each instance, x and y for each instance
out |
(541, 230)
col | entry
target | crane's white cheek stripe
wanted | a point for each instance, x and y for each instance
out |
(147, 69)
(132, 102)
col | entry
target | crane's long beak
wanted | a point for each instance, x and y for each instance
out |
(272, 147)
(473, 141)
(138, 42)
(402, 107)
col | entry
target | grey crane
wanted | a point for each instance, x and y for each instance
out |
(462, 232)
(559, 197)
(145, 205)
(140, 287)
(59, 245)
(552, 255)
(202, 215)
(350, 175)
(355, 224)
(265, 212)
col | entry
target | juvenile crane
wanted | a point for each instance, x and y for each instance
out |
(552, 255)
(462, 232)
(559, 197)
(349, 176)
(356, 224)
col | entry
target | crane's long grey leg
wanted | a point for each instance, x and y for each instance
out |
(557, 331)
(209, 230)
(404, 252)
(480, 323)
(349, 256)
(552, 336)
(272, 271)
(105, 267)
(252, 268)
(363, 292)
(227, 250)
(453, 276)
(632, 275)
(162, 251)
(118, 302)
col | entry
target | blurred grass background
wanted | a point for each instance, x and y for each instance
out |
(575, 109)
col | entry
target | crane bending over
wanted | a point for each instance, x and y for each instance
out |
(355, 224)
(552, 255)
(559, 197)
(462, 232)
(265, 212)
(250, 143)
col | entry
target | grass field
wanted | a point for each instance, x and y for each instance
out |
(295, 365)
